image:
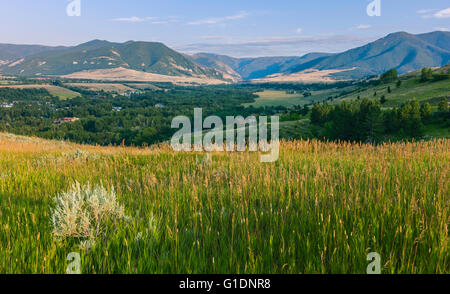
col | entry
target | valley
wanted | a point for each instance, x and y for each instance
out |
(374, 117)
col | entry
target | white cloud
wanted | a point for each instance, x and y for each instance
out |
(434, 13)
(299, 30)
(130, 19)
(276, 46)
(215, 37)
(425, 11)
(445, 13)
(152, 20)
(442, 29)
(363, 27)
(218, 20)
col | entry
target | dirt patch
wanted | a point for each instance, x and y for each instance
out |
(123, 74)
(306, 76)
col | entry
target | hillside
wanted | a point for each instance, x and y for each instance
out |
(402, 51)
(254, 68)
(11, 52)
(411, 88)
(146, 57)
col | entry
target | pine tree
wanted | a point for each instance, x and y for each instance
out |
(425, 111)
(443, 105)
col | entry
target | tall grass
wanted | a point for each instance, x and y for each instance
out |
(321, 208)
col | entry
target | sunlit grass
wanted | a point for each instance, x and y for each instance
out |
(321, 208)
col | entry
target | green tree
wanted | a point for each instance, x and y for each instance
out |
(399, 83)
(443, 105)
(383, 99)
(410, 119)
(319, 113)
(426, 112)
(389, 76)
(371, 121)
(305, 110)
(426, 75)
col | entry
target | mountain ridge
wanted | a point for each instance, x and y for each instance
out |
(401, 50)
(150, 57)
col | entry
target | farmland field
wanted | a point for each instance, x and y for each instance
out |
(281, 98)
(60, 92)
(275, 97)
(107, 87)
(321, 208)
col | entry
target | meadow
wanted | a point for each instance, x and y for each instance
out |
(60, 92)
(107, 87)
(411, 88)
(268, 98)
(321, 208)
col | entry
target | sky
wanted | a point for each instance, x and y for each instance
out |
(240, 28)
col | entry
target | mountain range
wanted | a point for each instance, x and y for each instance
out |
(149, 60)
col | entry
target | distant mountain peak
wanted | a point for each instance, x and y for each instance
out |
(400, 50)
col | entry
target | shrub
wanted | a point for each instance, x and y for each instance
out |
(389, 76)
(84, 212)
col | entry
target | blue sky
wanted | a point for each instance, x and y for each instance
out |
(238, 28)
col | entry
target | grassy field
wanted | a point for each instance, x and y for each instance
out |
(276, 98)
(281, 98)
(107, 87)
(143, 86)
(60, 92)
(410, 89)
(321, 208)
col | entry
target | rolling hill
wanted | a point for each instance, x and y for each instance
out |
(148, 57)
(11, 52)
(254, 68)
(403, 51)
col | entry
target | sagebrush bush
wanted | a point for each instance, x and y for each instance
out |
(84, 212)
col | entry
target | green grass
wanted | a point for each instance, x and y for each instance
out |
(437, 131)
(63, 93)
(276, 98)
(281, 98)
(60, 92)
(321, 208)
(410, 89)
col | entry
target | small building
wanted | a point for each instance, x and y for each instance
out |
(159, 105)
(7, 105)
